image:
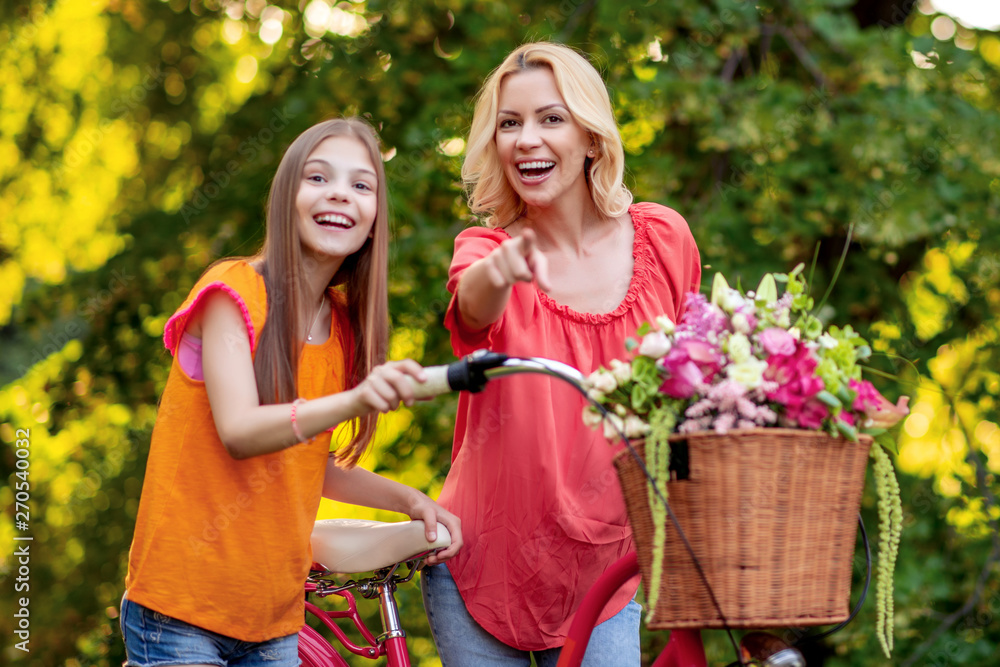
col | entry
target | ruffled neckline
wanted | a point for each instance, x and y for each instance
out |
(640, 273)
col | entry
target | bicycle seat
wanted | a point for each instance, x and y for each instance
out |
(349, 546)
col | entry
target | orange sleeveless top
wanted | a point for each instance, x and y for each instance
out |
(219, 543)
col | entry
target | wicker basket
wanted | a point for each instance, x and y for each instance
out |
(771, 515)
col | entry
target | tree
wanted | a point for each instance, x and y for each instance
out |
(138, 140)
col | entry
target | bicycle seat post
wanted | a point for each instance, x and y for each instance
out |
(393, 638)
(389, 611)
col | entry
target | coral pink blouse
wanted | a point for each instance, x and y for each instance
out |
(542, 513)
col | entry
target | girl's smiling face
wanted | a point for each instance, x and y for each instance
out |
(337, 199)
(541, 146)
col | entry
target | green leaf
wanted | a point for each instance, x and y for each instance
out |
(845, 395)
(812, 327)
(631, 344)
(639, 397)
(643, 329)
(644, 370)
(887, 440)
(829, 399)
(848, 431)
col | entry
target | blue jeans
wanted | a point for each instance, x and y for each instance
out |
(153, 639)
(461, 642)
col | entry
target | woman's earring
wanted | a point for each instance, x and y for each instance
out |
(590, 153)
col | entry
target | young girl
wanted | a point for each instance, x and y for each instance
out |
(567, 267)
(270, 353)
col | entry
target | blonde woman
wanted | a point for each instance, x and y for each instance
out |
(566, 267)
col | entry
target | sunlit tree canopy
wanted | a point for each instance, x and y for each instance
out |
(138, 139)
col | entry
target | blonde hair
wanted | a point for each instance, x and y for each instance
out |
(586, 96)
(363, 274)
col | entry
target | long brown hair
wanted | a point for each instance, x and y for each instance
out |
(363, 276)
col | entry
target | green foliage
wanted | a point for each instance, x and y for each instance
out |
(137, 143)
(890, 511)
(661, 423)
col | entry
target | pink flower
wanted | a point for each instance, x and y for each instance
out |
(701, 318)
(795, 373)
(689, 364)
(877, 410)
(777, 341)
(809, 415)
(797, 383)
(727, 405)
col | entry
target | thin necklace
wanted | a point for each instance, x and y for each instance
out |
(309, 336)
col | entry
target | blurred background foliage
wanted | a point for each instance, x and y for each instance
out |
(137, 143)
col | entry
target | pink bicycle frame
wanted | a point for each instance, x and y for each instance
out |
(316, 651)
(683, 649)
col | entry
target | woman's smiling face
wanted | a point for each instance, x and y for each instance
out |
(541, 146)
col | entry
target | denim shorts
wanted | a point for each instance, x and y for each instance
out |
(153, 639)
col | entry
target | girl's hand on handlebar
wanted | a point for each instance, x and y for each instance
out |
(428, 511)
(387, 386)
(518, 260)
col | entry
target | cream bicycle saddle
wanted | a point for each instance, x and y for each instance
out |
(348, 546)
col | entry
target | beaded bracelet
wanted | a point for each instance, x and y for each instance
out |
(295, 424)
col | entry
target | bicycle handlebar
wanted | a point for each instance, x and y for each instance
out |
(471, 373)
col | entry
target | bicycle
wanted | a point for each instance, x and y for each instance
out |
(352, 547)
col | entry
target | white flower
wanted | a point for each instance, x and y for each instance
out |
(621, 370)
(731, 300)
(665, 324)
(749, 373)
(796, 334)
(620, 410)
(783, 320)
(591, 418)
(635, 427)
(741, 324)
(654, 344)
(613, 424)
(595, 395)
(739, 348)
(603, 381)
(827, 341)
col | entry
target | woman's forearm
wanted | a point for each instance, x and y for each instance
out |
(482, 295)
(485, 287)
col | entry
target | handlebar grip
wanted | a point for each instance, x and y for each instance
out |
(436, 384)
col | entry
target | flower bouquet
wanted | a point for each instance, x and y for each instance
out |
(742, 364)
